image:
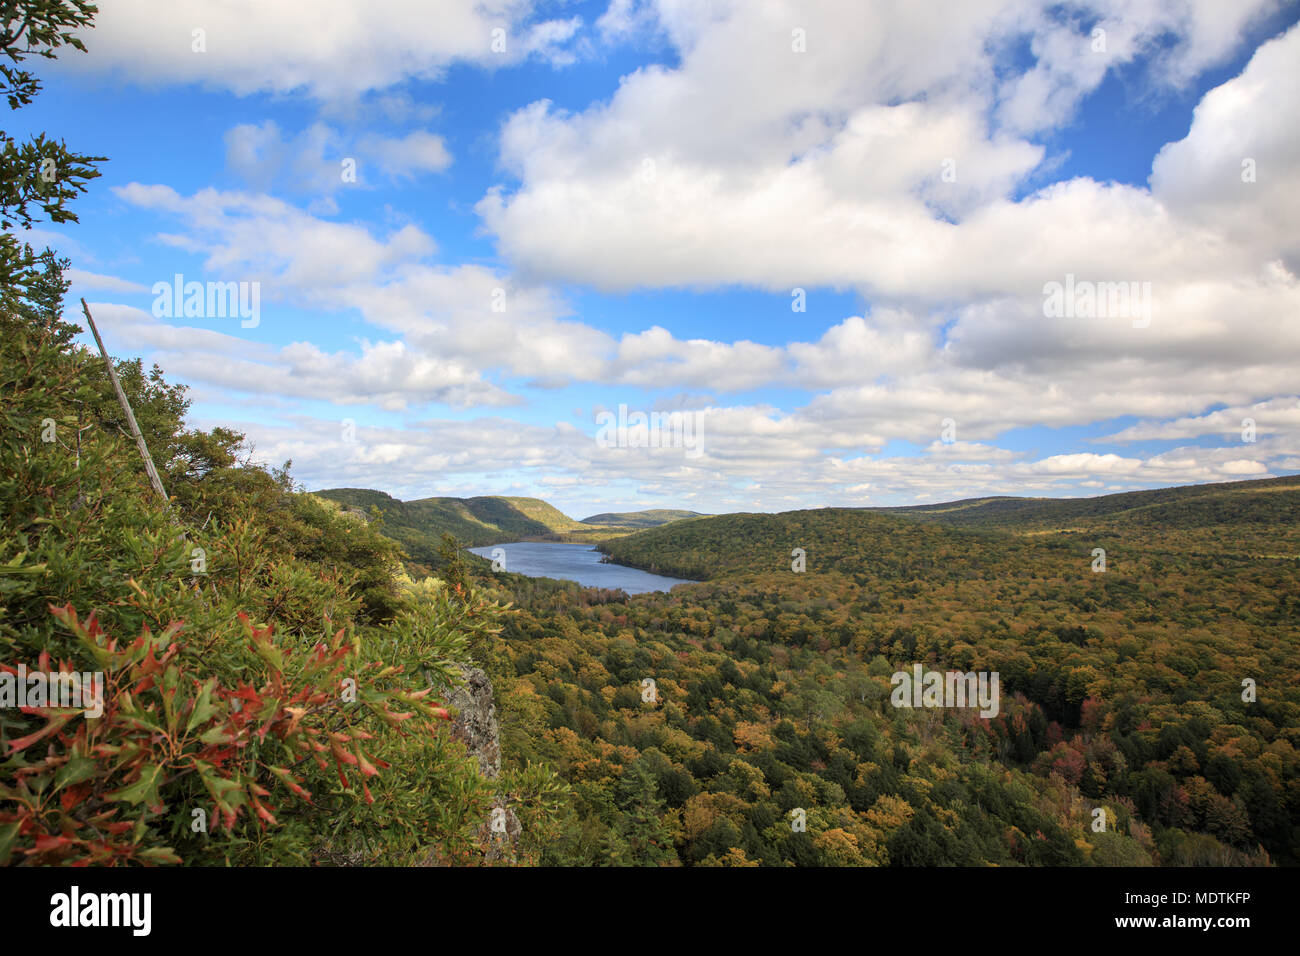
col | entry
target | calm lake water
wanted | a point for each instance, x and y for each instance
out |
(575, 562)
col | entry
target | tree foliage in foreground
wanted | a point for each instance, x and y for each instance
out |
(268, 667)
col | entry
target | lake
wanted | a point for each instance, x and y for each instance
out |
(575, 562)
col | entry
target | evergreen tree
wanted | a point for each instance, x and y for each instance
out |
(640, 837)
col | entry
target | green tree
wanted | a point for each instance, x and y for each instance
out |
(640, 836)
(452, 564)
(39, 176)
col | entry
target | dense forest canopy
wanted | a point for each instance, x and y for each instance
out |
(1122, 689)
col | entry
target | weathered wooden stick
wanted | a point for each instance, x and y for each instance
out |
(126, 408)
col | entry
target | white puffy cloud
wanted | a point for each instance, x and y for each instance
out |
(862, 350)
(752, 459)
(655, 357)
(890, 158)
(470, 314)
(82, 279)
(1280, 416)
(970, 451)
(330, 49)
(249, 236)
(754, 163)
(417, 152)
(390, 375)
(1244, 466)
(1238, 169)
(624, 19)
(892, 374)
(320, 160)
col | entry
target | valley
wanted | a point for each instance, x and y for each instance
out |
(1124, 734)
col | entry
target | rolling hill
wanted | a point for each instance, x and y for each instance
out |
(419, 525)
(1263, 500)
(636, 520)
(488, 519)
(847, 540)
(1257, 518)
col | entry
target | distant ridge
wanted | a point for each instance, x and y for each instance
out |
(486, 519)
(1199, 505)
(490, 519)
(1260, 518)
(650, 518)
(1268, 507)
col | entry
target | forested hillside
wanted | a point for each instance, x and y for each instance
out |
(228, 623)
(256, 673)
(649, 518)
(420, 525)
(1123, 690)
(833, 539)
(1262, 501)
(1266, 512)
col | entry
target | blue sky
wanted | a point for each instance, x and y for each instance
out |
(623, 206)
